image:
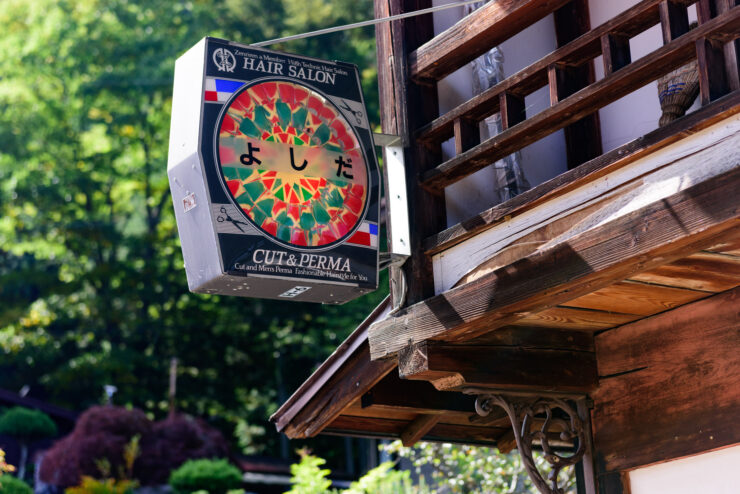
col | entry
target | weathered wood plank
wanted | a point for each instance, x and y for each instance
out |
(530, 337)
(450, 367)
(629, 23)
(594, 169)
(580, 319)
(580, 104)
(670, 384)
(655, 234)
(637, 298)
(475, 34)
(701, 271)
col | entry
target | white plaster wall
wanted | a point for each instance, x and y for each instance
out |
(714, 472)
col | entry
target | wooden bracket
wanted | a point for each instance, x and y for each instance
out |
(533, 422)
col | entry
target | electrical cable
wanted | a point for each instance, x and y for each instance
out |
(370, 22)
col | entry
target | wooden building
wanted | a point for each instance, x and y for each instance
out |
(594, 315)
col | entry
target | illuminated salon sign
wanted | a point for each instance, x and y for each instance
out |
(273, 175)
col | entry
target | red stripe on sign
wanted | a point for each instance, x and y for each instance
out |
(362, 238)
(211, 96)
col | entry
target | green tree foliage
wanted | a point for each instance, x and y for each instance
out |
(214, 476)
(92, 282)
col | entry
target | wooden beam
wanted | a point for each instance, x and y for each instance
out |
(391, 429)
(585, 102)
(655, 234)
(670, 384)
(475, 34)
(418, 429)
(506, 443)
(450, 367)
(588, 172)
(395, 393)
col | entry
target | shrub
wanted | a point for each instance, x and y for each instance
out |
(214, 476)
(307, 476)
(102, 433)
(26, 425)
(174, 441)
(12, 485)
(109, 486)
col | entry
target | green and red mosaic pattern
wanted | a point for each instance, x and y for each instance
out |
(293, 164)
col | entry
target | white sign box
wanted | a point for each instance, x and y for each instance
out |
(273, 175)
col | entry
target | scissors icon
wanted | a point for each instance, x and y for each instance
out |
(357, 113)
(224, 216)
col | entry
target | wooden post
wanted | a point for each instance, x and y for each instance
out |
(709, 9)
(615, 49)
(414, 105)
(583, 137)
(712, 77)
(467, 134)
(512, 110)
(674, 20)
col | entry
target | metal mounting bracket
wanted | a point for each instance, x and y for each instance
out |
(522, 413)
(397, 216)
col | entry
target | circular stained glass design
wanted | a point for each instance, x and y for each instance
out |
(293, 164)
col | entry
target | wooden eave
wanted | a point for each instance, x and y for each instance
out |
(305, 412)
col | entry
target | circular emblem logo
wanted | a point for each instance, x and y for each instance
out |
(224, 60)
(293, 164)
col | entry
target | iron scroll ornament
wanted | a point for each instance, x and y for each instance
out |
(522, 416)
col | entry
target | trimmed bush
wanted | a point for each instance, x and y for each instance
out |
(214, 476)
(26, 424)
(12, 485)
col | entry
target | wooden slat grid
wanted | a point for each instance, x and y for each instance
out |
(623, 77)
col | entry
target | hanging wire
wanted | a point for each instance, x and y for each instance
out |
(370, 22)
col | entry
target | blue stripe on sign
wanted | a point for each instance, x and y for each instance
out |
(373, 229)
(228, 86)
